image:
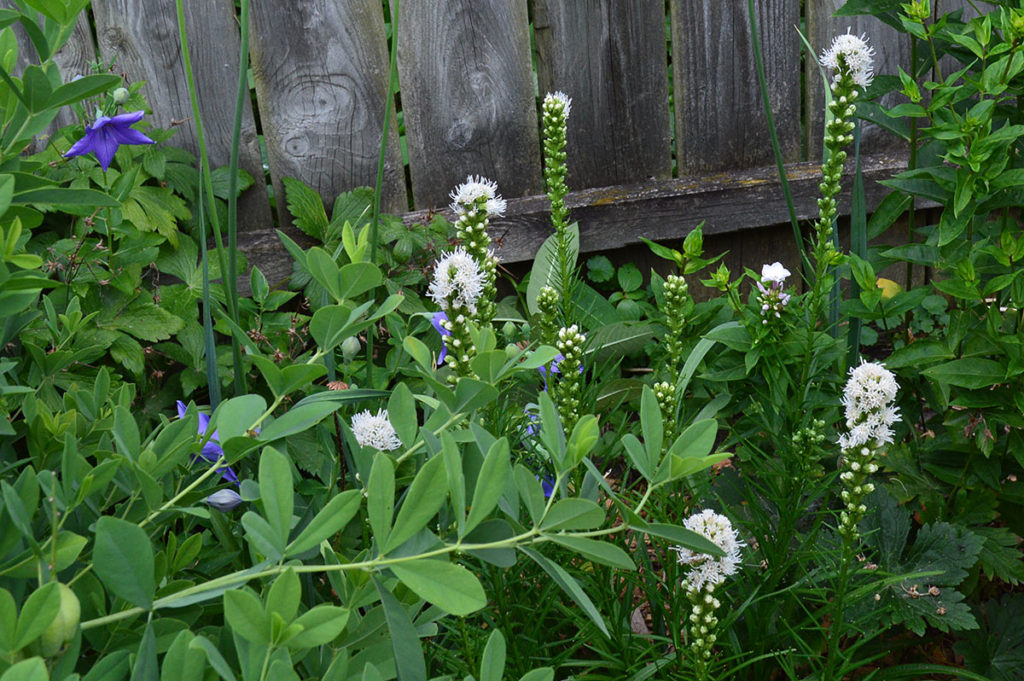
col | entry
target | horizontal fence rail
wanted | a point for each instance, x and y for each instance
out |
(667, 126)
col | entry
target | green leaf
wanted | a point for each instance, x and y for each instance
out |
(490, 483)
(32, 669)
(697, 440)
(123, 559)
(39, 610)
(332, 518)
(651, 425)
(540, 674)
(447, 585)
(573, 514)
(145, 321)
(234, 417)
(264, 538)
(298, 419)
(320, 626)
(545, 270)
(213, 655)
(598, 551)
(182, 663)
(680, 535)
(81, 88)
(971, 372)
(585, 435)
(146, 666)
(306, 207)
(405, 642)
(277, 492)
(570, 586)
(8, 620)
(402, 413)
(492, 665)
(332, 324)
(422, 501)
(380, 496)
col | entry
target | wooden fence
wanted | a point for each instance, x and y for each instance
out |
(667, 126)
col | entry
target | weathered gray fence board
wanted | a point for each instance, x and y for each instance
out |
(321, 72)
(892, 50)
(143, 37)
(610, 57)
(468, 96)
(720, 121)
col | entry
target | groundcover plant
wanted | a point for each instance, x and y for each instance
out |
(380, 469)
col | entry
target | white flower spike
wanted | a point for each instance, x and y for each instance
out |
(708, 571)
(857, 55)
(458, 280)
(868, 397)
(375, 430)
(474, 188)
(558, 100)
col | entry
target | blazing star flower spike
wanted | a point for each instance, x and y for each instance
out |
(458, 280)
(108, 133)
(870, 414)
(472, 190)
(857, 56)
(375, 430)
(708, 571)
(558, 100)
(775, 273)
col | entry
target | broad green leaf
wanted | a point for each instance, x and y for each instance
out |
(530, 491)
(146, 666)
(145, 321)
(320, 626)
(81, 88)
(39, 610)
(405, 642)
(598, 551)
(380, 497)
(447, 585)
(277, 492)
(306, 207)
(123, 560)
(422, 501)
(971, 372)
(32, 669)
(402, 413)
(8, 620)
(697, 440)
(573, 514)
(490, 483)
(332, 518)
(235, 416)
(492, 665)
(585, 435)
(264, 538)
(297, 420)
(651, 425)
(214, 657)
(284, 596)
(332, 324)
(182, 663)
(683, 537)
(539, 674)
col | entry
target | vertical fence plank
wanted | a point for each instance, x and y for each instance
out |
(610, 57)
(720, 121)
(468, 97)
(321, 72)
(143, 36)
(892, 50)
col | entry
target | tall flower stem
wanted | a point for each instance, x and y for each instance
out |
(554, 123)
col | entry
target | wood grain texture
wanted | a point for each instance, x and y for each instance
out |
(143, 37)
(892, 50)
(662, 210)
(321, 72)
(468, 96)
(73, 59)
(610, 57)
(720, 121)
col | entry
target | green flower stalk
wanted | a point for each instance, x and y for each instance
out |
(852, 61)
(475, 201)
(570, 386)
(676, 303)
(554, 117)
(457, 287)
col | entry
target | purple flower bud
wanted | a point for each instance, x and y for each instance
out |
(224, 500)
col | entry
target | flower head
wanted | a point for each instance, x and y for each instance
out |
(105, 135)
(555, 101)
(224, 500)
(775, 273)
(211, 450)
(857, 57)
(707, 570)
(458, 280)
(375, 430)
(472, 190)
(868, 397)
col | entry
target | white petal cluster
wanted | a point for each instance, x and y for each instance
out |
(858, 56)
(375, 430)
(472, 190)
(554, 101)
(709, 571)
(868, 399)
(457, 280)
(775, 273)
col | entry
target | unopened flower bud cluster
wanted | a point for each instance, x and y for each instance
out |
(677, 298)
(665, 393)
(570, 344)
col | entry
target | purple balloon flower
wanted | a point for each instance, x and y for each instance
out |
(211, 451)
(436, 321)
(108, 133)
